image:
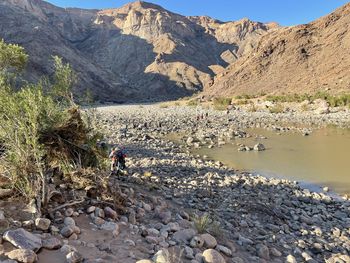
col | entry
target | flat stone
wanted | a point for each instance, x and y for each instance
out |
(42, 223)
(21, 238)
(23, 255)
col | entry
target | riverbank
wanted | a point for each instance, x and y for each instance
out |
(257, 213)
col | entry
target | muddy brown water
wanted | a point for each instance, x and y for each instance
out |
(321, 159)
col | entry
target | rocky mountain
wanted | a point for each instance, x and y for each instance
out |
(304, 58)
(137, 52)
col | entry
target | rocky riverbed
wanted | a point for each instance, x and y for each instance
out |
(269, 219)
(184, 208)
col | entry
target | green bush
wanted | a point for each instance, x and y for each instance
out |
(39, 130)
(278, 108)
(193, 103)
(221, 103)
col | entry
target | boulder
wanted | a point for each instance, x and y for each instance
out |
(213, 256)
(21, 238)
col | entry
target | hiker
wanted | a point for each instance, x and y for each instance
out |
(117, 155)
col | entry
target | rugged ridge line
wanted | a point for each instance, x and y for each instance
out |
(137, 52)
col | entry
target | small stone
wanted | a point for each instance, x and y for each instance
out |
(259, 147)
(98, 221)
(263, 252)
(184, 236)
(197, 242)
(213, 256)
(42, 223)
(189, 253)
(110, 213)
(161, 256)
(54, 229)
(144, 261)
(74, 257)
(28, 224)
(209, 241)
(152, 240)
(91, 209)
(67, 249)
(73, 237)
(67, 231)
(68, 221)
(237, 260)
(291, 259)
(76, 230)
(52, 243)
(165, 217)
(23, 255)
(99, 212)
(69, 212)
(275, 252)
(132, 217)
(224, 250)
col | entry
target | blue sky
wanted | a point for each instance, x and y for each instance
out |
(285, 12)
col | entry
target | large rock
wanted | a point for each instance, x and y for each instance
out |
(23, 255)
(213, 256)
(21, 238)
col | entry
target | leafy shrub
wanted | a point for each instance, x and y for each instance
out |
(40, 131)
(278, 108)
(193, 103)
(221, 103)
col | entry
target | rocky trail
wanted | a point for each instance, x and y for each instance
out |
(177, 207)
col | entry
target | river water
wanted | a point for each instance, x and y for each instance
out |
(321, 159)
